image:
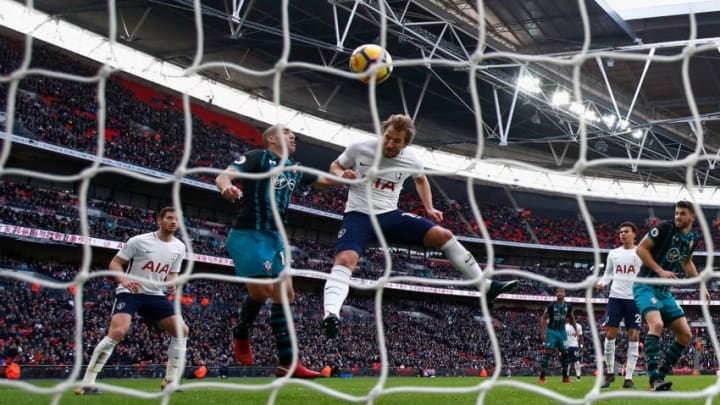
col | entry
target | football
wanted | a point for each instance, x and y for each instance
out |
(365, 56)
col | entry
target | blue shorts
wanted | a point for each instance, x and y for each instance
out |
(397, 226)
(255, 253)
(152, 308)
(555, 339)
(574, 353)
(619, 309)
(648, 298)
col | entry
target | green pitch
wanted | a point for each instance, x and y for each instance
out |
(408, 390)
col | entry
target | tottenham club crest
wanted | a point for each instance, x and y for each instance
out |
(120, 305)
(268, 266)
(341, 233)
(174, 257)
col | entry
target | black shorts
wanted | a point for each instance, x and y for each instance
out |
(619, 309)
(398, 226)
(151, 307)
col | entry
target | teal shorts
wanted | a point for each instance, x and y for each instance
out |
(649, 298)
(555, 339)
(256, 253)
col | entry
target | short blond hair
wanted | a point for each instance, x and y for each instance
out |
(273, 130)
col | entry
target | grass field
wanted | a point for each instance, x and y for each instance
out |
(258, 391)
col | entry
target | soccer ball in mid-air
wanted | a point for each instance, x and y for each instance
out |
(365, 56)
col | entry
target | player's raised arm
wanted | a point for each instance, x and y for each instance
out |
(338, 170)
(422, 185)
(224, 184)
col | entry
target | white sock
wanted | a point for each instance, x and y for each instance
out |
(462, 260)
(578, 368)
(632, 358)
(336, 291)
(100, 356)
(610, 355)
(176, 358)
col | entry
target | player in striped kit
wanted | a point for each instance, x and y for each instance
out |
(255, 245)
(155, 257)
(666, 250)
(553, 335)
(621, 268)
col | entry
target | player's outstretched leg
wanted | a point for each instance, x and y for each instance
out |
(87, 391)
(497, 288)
(331, 325)
(658, 383)
(101, 354)
(241, 348)
(464, 262)
(334, 294)
(632, 357)
(279, 327)
(609, 379)
(300, 372)
(241, 333)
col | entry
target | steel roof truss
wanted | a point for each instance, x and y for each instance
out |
(609, 87)
(559, 159)
(130, 36)
(639, 85)
(451, 90)
(421, 97)
(340, 38)
(322, 107)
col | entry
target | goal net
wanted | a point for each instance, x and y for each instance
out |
(98, 119)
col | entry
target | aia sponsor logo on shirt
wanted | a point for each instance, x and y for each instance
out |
(158, 267)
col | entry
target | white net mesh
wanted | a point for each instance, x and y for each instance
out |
(116, 58)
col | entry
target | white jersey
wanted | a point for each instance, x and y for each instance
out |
(385, 189)
(625, 265)
(573, 334)
(152, 259)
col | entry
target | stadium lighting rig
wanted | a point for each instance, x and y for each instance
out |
(118, 56)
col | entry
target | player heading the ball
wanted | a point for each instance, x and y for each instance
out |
(396, 164)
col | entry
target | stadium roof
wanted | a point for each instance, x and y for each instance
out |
(639, 9)
(534, 39)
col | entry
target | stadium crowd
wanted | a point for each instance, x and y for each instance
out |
(148, 131)
(36, 207)
(34, 321)
(37, 328)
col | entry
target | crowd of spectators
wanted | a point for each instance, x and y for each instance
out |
(420, 333)
(151, 134)
(54, 210)
(37, 327)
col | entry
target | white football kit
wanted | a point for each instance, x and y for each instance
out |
(385, 189)
(572, 335)
(152, 259)
(625, 265)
